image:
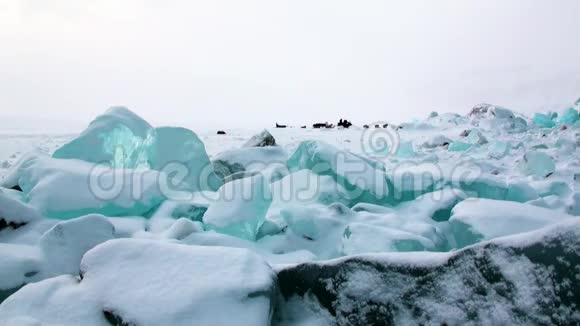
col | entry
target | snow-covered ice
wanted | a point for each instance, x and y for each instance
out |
(457, 219)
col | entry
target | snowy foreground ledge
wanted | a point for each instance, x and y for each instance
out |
(526, 279)
(456, 219)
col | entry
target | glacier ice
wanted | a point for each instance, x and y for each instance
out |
(118, 136)
(450, 220)
(459, 146)
(182, 148)
(269, 161)
(538, 164)
(405, 150)
(68, 188)
(361, 238)
(543, 120)
(569, 116)
(123, 140)
(475, 220)
(437, 141)
(499, 149)
(241, 207)
(364, 181)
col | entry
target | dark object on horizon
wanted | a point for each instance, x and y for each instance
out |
(344, 123)
(385, 125)
(366, 126)
(480, 109)
(322, 125)
(280, 126)
(303, 127)
(221, 132)
(377, 126)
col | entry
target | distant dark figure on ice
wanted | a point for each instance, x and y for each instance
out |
(323, 125)
(280, 126)
(344, 123)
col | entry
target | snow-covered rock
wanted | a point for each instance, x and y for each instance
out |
(269, 161)
(520, 280)
(263, 139)
(15, 213)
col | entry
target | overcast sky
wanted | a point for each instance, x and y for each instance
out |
(219, 63)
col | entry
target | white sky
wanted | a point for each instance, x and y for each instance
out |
(219, 63)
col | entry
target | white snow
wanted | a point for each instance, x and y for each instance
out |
(148, 282)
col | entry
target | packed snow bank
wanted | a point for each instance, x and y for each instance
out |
(145, 282)
(58, 251)
(519, 280)
(15, 213)
(474, 220)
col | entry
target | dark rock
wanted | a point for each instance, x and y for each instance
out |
(13, 225)
(262, 139)
(366, 126)
(481, 109)
(224, 169)
(303, 127)
(500, 282)
(280, 126)
(17, 188)
(465, 133)
(114, 319)
(4, 294)
(221, 132)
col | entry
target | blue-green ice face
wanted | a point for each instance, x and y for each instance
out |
(126, 149)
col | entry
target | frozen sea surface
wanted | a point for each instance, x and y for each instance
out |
(454, 219)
